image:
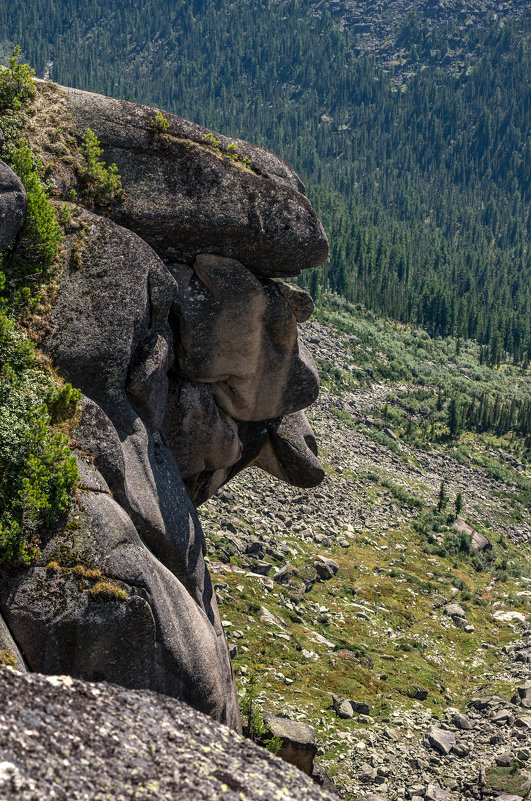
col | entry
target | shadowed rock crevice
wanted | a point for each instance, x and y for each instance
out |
(188, 358)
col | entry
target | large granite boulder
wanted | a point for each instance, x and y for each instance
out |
(66, 739)
(12, 206)
(185, 196)
(299, 743)
(97, 603)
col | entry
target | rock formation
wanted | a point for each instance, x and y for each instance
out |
(67, 739)
(186, 353)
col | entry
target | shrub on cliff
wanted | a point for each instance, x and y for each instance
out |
(101, 184)
(42, 229)
(16, 83)
(37, 471)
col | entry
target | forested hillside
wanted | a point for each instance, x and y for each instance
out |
(418, 164)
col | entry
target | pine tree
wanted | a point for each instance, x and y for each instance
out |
(455, 423)
(458, 504)
(443, 498)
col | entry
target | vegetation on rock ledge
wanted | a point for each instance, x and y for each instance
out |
(38, 473)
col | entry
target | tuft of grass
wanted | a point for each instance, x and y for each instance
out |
(108, 591)
(508, 780)
(90, 573)
(7, 659)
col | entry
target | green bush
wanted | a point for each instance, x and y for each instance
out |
(253, 724)
(159, 124)
(101, 184)
(42, 229)
(456, 542)
(38, 473)
(16, 83)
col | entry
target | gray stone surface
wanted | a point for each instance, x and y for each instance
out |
(186, 370)
(454, 610)
(165, 635)
(299, 743)
(441, 739)
(185, 198)
(342, 707)
(436, 793)
(61, 738)
(291, 453)
(8, 647)
(239, 335)
(12, 206)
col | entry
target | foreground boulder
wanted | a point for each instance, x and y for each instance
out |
(299, 743)
(67, 739)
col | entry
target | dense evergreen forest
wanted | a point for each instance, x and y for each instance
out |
(422, 183)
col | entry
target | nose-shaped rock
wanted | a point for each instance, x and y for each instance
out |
(291, 453)
(188, 191)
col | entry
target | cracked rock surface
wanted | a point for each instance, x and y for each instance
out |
(67, 740)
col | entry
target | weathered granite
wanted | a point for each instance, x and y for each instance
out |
(67, 739)
(12, 206)
(185, 198)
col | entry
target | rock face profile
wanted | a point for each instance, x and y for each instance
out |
(62, 738)
(185, 349)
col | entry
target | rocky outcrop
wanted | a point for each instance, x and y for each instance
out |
(61, 738)
(187, 356)
(185, 198)
(12, 206)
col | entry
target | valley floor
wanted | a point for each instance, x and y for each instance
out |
(377, 628)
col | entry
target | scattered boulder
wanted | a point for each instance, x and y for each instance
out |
(478, 542)
(360, 707)
(505, 760)
(441, 740)
(460, 721)
(419, 692)
(284, 575)
(454, 610)
(326, 568)
(342, 707)
(508, 797)
(299, 743)
(524, 692)
(436, 793)
(371, 797)
(367, 774)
